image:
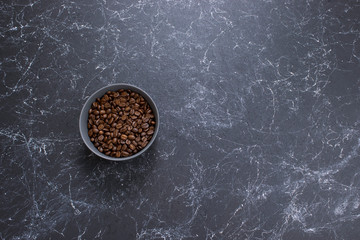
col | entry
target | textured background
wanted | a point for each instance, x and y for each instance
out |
(260, 118)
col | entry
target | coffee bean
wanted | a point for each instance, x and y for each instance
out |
(123, 137)
(120, 123)
(144, 144)
(90, 132)
(125, 154)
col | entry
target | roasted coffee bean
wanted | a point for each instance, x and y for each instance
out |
(125, 154)
(90, 132)
(120, 123)
(123, 137)
(144, 144)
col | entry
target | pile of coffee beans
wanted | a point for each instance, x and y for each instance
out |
(120, 123)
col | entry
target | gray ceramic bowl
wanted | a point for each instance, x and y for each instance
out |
(99, 93)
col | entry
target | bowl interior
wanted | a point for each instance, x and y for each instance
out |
(99, 93)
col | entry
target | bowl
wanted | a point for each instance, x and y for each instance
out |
(99, 93)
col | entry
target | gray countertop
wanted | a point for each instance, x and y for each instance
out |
(259, 108)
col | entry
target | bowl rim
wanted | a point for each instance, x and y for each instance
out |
(104, 89)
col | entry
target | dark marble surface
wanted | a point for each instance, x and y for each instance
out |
(259, 106)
